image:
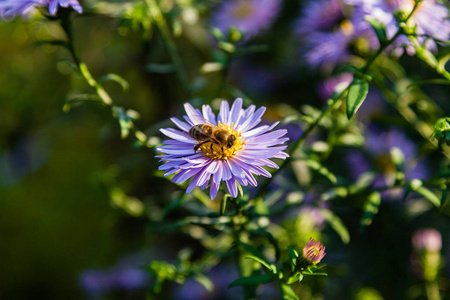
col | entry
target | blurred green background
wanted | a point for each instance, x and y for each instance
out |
(55, 213)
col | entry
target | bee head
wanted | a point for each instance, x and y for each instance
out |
(231, 141)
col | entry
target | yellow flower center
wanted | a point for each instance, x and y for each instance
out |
(219, 151)
(347, 27)
(243, 10)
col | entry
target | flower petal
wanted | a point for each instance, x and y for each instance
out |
(232, 187)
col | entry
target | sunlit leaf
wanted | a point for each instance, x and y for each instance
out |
(370, 208)
(337, 225)
(205, 281)
(115, 78)
(356, 95)
(379, 28)
(272, 268)
(288, 293)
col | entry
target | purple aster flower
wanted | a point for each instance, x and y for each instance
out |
(249, 16)
(12, 8)
(212, 163)
(328, 31)
(314, 251)
(53, 5)
(428, 239)
(431, 19)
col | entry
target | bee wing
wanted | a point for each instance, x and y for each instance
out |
(197, 119)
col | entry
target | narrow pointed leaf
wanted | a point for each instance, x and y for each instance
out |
(288, 293)
(356, 95)
(116, 78)
(370, 208)
(379, 28)
(429, 195)
(252, 280)
(269, 267)
(337, 225)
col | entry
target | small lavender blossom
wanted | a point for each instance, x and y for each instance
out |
(427, 239)
(12, 8)
(327, 49)
(249, 16)
(327, 32)
(431, 19)
(211, 164)
(314, 251)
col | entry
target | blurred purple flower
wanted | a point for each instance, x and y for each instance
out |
(12, 8)
(253, 148)
(26, 156)
(431, 19)
(221, 277)
(327, 31)
(254, 78)
(377, 155)
(121, 278)
(319, 16)
(428, 239)
(249, 16)
(314, 251)
(326, 88)
(327, 49)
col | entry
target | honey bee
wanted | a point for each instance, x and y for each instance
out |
(209, 133)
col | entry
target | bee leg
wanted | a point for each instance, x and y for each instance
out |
(211, 147)
(196, 147)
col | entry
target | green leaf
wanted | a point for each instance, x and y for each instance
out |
(288, 293)
(272, 268)
(398, 158)
(125, 120)
(253, 251)
(379, 28)
(429, 195)
(211, 67)
(297, 277)
(315, 165)
(337, 225)
(227, 47)
(252, 280)
(205, 281)
(78, 99)
(115, 78)
(370, 208)
(356, 95)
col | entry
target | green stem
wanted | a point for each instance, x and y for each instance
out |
(101, 92)
(433, 291)
(426, 56)
(160, 22)
(86, 74)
